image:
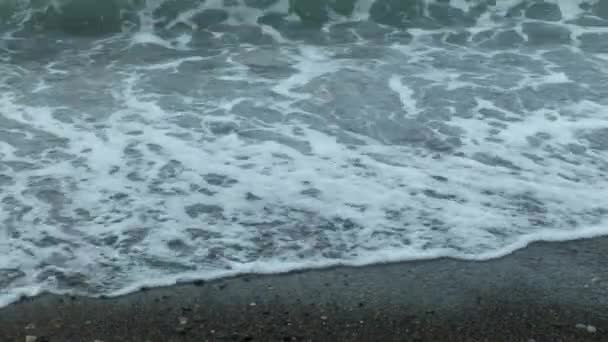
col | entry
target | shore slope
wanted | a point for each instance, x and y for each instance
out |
(545, 292)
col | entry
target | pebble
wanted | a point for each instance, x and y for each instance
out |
(252, 304)
(30, 338)
(183, 320)
(324, 318)
(590, 328)
(57, 323)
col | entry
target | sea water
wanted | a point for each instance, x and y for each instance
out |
(145, 143)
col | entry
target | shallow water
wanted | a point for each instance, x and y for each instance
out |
(143, 143)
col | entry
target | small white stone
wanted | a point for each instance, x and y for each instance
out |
(30, 338)
(252, 304)
(183, 320)
(324, 318)
(590, 328)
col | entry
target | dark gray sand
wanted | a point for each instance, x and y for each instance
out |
(546, 292)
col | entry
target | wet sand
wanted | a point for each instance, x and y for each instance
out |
(545, 292)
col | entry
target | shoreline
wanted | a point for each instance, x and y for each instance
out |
(548, 291)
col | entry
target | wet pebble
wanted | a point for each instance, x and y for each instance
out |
(589, 328)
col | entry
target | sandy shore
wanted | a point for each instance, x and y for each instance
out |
(546, 292)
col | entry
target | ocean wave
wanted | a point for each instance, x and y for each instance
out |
(92, 17)
(148, 142)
